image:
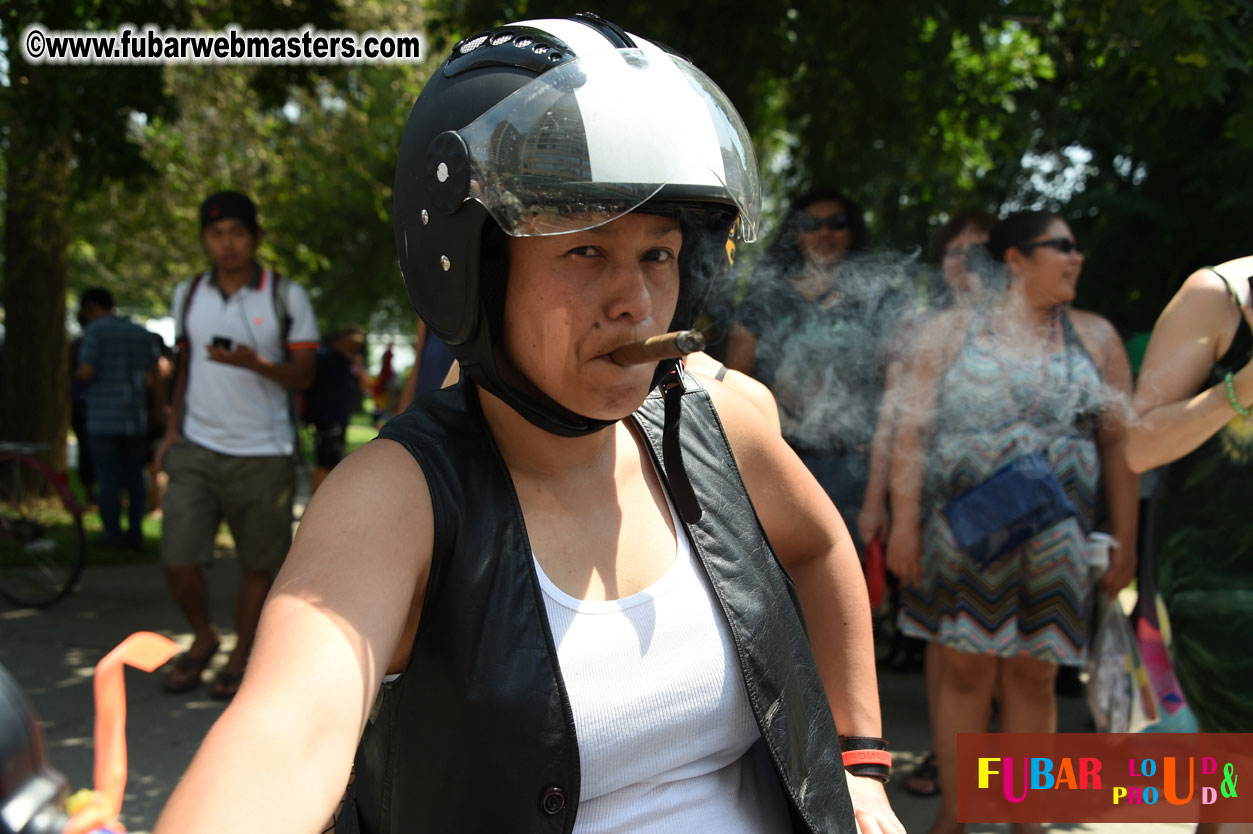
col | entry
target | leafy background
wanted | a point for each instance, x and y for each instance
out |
(1133, 119)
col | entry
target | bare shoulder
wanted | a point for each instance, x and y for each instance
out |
(340, 603)
(944, 329)
(1212, 286)
(369, 476)
(748, 431)
(1203, 310)
(374, 507)
(1095, 330)
(1103, 341)
(754, 391)
(939, 340)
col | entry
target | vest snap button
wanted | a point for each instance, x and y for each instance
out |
(554, 801)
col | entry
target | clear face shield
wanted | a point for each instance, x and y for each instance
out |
(599, 136)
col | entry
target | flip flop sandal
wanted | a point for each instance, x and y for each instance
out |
(186, 671)
(924, 780)
(226, 685)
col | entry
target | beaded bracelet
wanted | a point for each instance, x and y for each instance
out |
(1246, 413)
(866, 756)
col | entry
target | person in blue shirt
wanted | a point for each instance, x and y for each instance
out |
(116, 356)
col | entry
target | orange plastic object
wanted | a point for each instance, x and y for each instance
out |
(143, 650)
(876, 577)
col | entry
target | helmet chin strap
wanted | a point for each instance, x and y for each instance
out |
(503, 379)
(544, 412)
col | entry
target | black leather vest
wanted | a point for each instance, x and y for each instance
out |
(477, 734)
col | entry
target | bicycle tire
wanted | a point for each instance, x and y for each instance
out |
(43, 547)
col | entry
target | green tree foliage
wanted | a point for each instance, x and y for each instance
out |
(1132, 117)
(1159, 93)
(104, 171)
(319, 166)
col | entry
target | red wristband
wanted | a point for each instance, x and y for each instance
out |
(857, 757)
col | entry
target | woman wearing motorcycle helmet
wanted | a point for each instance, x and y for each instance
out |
(543, 600)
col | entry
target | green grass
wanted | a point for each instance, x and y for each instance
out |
(360, 432)
(98, 554)
(94, 528)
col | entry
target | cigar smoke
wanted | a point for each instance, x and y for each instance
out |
(656, 348)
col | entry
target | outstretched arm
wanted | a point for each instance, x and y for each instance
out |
(279, 757)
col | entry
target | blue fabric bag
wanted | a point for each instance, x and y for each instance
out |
(1021, 499)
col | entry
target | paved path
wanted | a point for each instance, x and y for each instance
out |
(52, 654)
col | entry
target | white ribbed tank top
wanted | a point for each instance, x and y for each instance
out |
(667, 740)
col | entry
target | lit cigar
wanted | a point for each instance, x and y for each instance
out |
(654, 349)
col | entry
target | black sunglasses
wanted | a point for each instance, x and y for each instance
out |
(1062, 244)
(809, 223)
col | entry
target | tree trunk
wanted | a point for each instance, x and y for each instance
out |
(34, 388)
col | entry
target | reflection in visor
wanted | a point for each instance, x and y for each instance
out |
(599, 136)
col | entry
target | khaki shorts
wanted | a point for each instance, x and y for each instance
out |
(252, 494)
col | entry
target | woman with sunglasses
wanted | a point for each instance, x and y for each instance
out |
(1025, 375)
(1193, 399)
(811, 328)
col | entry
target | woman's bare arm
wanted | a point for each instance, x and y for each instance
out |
(812, 542)
(756, 393)
(915, 413)
(872, 522)
(279, 757)
(1191, 333)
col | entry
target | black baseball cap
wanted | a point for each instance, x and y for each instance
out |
(229, 204)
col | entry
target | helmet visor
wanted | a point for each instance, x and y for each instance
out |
(598, 136)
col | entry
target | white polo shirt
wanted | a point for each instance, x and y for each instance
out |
(233, 410)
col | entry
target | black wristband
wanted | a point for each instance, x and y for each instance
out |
(878, 772)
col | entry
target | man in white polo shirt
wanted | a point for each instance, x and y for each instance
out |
(247, 338)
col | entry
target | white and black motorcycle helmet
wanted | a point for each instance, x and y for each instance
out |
(530, 128)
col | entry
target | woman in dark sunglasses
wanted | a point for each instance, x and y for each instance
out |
(1022, 377)
(1193, 399)
(821, 229)
(810, 329)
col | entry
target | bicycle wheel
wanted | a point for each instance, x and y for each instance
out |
(42, 545)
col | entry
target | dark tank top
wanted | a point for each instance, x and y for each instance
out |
(1203, 560)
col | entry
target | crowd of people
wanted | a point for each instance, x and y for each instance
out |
(537, 586)
(219, 429)
(908, 396)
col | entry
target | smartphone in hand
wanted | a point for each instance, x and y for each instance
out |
(223, 342)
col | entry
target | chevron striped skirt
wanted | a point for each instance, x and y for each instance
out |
(1035, 599)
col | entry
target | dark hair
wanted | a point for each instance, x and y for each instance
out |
(97, 297)
(1017, 229)
(981, 221)
(226, 204)
(784, 257)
